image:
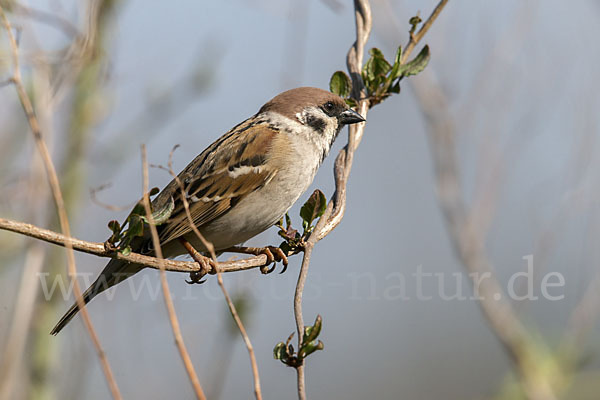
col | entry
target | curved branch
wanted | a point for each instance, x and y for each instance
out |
(334, 213)
(337, 205)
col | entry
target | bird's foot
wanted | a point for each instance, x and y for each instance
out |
(207, 265)
(274, 255)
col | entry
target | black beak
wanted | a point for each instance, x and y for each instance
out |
(350, 117)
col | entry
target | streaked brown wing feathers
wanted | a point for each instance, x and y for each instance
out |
(229, 171)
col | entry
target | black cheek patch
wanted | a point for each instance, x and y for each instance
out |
(316, 123)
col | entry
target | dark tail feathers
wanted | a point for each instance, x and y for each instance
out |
(115, 271)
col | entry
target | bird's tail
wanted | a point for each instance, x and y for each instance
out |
(115, 271)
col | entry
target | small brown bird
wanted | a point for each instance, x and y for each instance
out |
(243, 183)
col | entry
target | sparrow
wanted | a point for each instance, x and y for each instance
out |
(243, 183)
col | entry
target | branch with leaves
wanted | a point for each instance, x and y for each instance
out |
(364, 87)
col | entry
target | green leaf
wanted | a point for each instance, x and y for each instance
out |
(114, 226)
(285, 246)
(126, 251)
(305, 226)
(417, 64)
(395, 88)
(351, 102)
(136, 226)
(397, 65)
(340, 84)
(313, 208)
(375, 70)
(398, 56)
(138, 209)
(367, 71)
(312, 332)
(280, 352)
(414, 21)
(380, 64)
(309, 348)
(288, 220)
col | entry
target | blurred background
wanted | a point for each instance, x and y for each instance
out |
(517, 87)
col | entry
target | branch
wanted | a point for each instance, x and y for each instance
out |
(58, 198)
(98, 249)
(337, 205)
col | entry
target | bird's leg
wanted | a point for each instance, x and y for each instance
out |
(206, 264)
(274, 254)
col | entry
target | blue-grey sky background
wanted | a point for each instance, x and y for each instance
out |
(522, 79)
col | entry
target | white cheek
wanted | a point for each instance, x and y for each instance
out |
(332, 127)
(301, 117)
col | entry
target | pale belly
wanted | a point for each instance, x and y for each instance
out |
(254, 214)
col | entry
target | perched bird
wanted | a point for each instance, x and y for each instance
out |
(243, 183)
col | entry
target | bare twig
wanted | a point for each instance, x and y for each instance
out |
(187, 361)
(57, 194)
(211, 249)
(98, 249)
(416, 38)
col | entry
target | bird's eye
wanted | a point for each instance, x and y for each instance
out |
(329, 106)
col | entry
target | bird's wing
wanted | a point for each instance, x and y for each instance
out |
(231, 168)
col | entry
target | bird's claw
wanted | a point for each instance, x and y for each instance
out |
(281, 256)
(274, 255)
(207, 265)
(196, 277)
(266, 270)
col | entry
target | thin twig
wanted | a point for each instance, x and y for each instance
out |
(211, 249)
(187, 361)
(58, 198)
(414, 39)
